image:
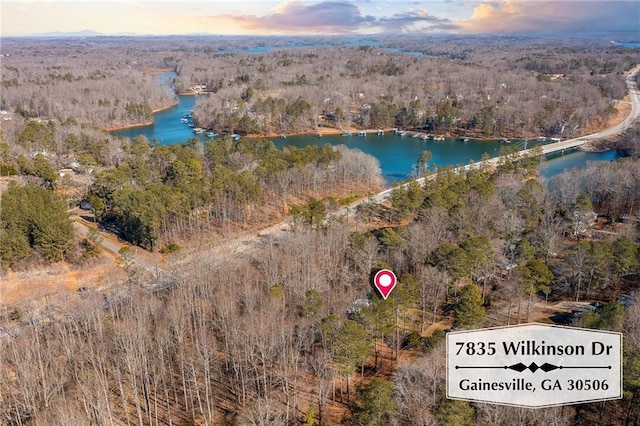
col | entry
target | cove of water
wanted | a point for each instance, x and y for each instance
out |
(166, 127)
(558, 163)
(396, 154)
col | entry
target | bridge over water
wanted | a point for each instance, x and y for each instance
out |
(632, 117)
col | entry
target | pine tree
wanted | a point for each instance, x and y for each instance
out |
(469, 312)
(374, 405)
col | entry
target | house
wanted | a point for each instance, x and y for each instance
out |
(356, 307)
(627, 300)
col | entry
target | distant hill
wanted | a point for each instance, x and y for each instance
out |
(91, 33)
(83, 33)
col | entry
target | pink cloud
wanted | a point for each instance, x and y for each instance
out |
(557, 16)
(334, 17)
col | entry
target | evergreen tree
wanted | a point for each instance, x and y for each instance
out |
(453, 259)
(625, 256)
(41, 217)
(14, 246)
(455, 413)
(469, 312)
(374, 405)
(43, 169)
(350, 348)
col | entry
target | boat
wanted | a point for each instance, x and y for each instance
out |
(184, 120)
(319, 135)
(438, 138)
(346, 133)
(424, 137)
(505, 140)
(402, 132)
(362, 133)
(380, 132)
(211, 134)
(554, 139)
(283, 136)
(235, 137)
(463, 139)
(542, 138)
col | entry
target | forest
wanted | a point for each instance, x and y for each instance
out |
(174, 191)
(283, 339)
(491, 87)
(369, 88)
(285, 327)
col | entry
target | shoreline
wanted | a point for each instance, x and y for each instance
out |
(140, 124)
(332, 131)
(151, 71)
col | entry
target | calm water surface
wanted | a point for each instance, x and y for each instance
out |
(166, 127)
(558, 163)
(396, 154)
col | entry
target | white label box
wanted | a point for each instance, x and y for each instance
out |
(534, 365)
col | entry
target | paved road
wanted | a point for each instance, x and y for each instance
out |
(106, 244)
(244, 242)
(633, 116)
(134, 260)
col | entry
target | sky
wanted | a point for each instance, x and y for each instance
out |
(311, 17)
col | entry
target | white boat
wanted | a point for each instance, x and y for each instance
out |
(424, 137)
(380, 132)
(235, 137)
(402, 132)
(438, 138)
(184, 120)
(362, 133)
(346, 133)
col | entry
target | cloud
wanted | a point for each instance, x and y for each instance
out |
(416, 21)
(527, 16)
(333, 17)
(296, 16)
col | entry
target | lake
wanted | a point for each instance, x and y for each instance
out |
(558, 162)
(396, 154)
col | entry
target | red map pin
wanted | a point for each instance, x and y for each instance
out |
(385, 280)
